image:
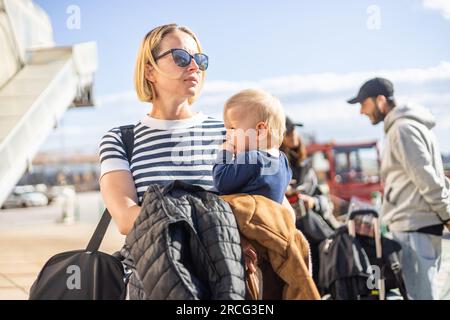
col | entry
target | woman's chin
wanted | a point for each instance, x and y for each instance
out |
(190, 92)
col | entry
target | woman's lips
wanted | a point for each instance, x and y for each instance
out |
(191, 79)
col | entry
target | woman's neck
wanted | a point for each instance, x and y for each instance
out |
(171, 110)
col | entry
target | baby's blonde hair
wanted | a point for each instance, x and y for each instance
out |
(149, 49)
(263, 107)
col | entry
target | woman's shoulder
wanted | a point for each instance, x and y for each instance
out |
(212, 118)
(114, 134)
(213, 121)
(203, 117)
(117, 130)
(211, 125)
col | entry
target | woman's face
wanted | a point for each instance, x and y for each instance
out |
(291, 140)
(177, 81)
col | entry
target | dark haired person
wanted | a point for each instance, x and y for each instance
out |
(316, 205)
(416, 203)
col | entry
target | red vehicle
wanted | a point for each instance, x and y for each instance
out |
(349, 170)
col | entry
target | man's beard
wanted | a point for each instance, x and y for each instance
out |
(377, 116)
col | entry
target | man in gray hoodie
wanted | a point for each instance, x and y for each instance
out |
(416, 202)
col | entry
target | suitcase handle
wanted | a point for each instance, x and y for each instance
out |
(362, 212)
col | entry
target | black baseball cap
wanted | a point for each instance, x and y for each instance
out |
(290, 126)
(373, 88)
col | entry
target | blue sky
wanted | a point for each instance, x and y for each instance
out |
(312, 54)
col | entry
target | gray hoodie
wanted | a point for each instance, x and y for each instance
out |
(416, 191)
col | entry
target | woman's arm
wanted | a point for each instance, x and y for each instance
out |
(120, 197)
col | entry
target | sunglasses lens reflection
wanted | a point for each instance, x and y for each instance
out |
(181, 58)
(202, 61)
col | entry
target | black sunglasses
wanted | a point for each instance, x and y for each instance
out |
(182, 58)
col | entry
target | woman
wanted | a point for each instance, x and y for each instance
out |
(303, 175)
(172, 142)
(318, 222)
(169, 73)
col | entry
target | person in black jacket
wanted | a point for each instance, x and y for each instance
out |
(303, 175)
(317, 221)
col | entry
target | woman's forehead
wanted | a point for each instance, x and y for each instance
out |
(179, 40)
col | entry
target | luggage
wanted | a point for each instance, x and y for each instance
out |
(86, 274)
(357, 262)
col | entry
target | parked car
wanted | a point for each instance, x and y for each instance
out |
(14, 200)
(23, 199)
(34, 199)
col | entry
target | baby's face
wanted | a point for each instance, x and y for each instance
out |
(242, 129)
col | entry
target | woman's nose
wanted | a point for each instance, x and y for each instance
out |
(193, 66)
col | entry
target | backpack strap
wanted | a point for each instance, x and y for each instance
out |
(127, 133)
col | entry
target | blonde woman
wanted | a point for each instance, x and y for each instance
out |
(172, 142)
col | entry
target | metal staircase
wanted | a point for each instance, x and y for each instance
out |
(39, 82)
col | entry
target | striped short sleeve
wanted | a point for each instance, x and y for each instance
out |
(112, 153)
(164, 151)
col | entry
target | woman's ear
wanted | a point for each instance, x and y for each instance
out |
(148, 73)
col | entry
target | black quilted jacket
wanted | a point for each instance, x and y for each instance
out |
(185, 245)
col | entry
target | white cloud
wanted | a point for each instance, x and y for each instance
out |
(443, 6)
(318, 100)
(319, 83)
(332, 82)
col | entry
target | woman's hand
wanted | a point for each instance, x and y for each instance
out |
(309, 202)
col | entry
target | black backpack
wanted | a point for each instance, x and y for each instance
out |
(86, 274)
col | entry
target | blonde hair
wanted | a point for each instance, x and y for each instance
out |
(149, 49)
(263, 107)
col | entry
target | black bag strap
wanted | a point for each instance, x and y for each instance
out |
(127, 133)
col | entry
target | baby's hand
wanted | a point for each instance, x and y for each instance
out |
(228, 145)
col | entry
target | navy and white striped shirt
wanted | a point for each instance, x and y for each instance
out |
(166, 150)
